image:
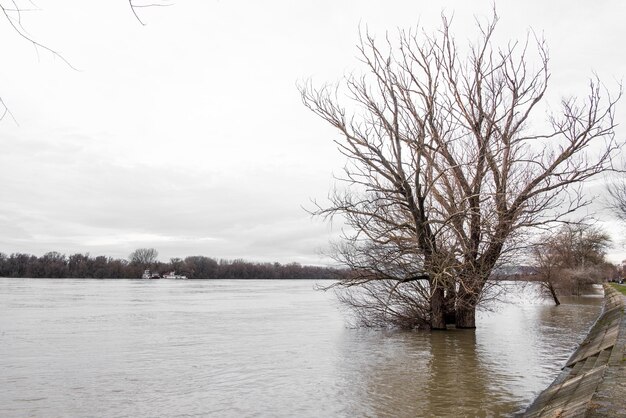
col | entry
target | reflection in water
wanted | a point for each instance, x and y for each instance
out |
(497, 370)
(263, 348)
(413, 374)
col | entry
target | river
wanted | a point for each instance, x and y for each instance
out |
(179, 348)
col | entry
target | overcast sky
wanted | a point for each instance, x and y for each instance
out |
(188, 134)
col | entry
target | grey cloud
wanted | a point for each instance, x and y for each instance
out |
(74, 198)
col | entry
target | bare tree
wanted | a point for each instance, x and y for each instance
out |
(571, 259)
(547, 265)
(144, 257)
(617, 192)
(447, 165)
(376, 304)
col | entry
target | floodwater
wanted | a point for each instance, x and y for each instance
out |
(147, 348)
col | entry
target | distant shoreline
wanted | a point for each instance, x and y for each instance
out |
(169, 280)
(54, 265)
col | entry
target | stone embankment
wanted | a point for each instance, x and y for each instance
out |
(593, 381)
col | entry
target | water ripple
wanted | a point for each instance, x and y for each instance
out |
(259, 348)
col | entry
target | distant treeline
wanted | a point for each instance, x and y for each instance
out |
(56, 265)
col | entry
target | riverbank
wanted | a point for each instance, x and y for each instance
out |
(593, 379)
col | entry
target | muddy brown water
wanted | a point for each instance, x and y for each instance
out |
(133, 348)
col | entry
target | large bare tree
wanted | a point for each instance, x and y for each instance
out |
(451, 157)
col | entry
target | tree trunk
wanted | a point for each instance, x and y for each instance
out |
(437, 309)
(466, 316)
(557, 302)
(449, 302)
(466, 302)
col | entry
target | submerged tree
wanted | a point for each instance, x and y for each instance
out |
(571, 259)
(617, 191)
(448, 167)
